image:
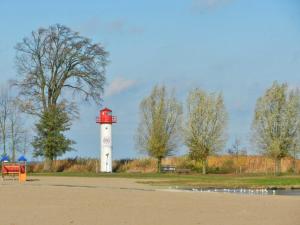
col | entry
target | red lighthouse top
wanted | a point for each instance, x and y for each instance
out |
(106, 117)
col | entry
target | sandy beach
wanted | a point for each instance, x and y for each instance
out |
(85, 201)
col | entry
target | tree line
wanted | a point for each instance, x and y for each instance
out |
(162, 127)
(14, 137)
(57, 67)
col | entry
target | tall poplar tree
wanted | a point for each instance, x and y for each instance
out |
(159, 126)
(205, 126)
(276, 124)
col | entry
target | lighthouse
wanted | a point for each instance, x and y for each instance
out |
(106, 120)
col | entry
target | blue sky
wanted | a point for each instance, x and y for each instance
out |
(238, 47)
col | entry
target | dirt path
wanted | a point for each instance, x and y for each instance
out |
(92, 201)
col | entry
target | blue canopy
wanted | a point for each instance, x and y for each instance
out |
(22, 159)
(5, 158)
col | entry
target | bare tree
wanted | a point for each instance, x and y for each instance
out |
(235, 148)
(16, 130)
(57, 59)
(276, 124)
(11, 124)
(4, 113)
(25, 142)
(54, 62)
(205, 130)
(236, 151)
(160, 118)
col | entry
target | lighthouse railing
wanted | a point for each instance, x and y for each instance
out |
(112, 119)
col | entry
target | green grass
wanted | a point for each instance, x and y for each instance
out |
(197, 180)
(225, 181)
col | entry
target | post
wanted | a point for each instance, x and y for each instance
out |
(294, 160)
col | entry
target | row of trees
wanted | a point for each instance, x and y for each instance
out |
(56, 64)
(276, 124)
(14, 137)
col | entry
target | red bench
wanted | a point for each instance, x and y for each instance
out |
(14, 169)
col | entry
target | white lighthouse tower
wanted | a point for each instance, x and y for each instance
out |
(106, 120)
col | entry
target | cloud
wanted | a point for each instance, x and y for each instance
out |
(94, 25)
(118, 86)
(208, 5)
(117, 26)
(136, 30)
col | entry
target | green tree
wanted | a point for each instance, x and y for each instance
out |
(50, 141)
(206, 123)
(159, 126)
(276, 123)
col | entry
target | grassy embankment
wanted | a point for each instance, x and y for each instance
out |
(196, 180)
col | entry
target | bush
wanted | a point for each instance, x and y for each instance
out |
(121, 165)
(228, 166)
(216, 164)
(186, 163)
(35, 167)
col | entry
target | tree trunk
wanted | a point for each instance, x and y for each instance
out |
(4, 144)
(204, 166)
(48, 165)
(13, 141)
(13, 146)
(98, 166)
(294, 161)
(294, 165)
(13, 157)
(277, 166)
(158, 165)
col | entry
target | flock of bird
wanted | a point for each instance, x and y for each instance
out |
(232, 190)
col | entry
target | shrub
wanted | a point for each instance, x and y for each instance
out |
(121, 165)
(216, 164)
(228, 166)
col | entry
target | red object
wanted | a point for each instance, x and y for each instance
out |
(13, 169)
(106, 117)
(22, 169)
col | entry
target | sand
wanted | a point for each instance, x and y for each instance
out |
(92, 201)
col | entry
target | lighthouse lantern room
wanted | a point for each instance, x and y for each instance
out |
(106, 120)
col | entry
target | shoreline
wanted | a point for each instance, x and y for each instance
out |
(248, 181)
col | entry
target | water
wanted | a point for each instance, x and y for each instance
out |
(244, 191)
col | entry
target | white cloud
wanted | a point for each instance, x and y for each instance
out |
(113, 26)
(118, 86)
(205, 5)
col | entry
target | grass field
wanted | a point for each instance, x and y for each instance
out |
(197, 180)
